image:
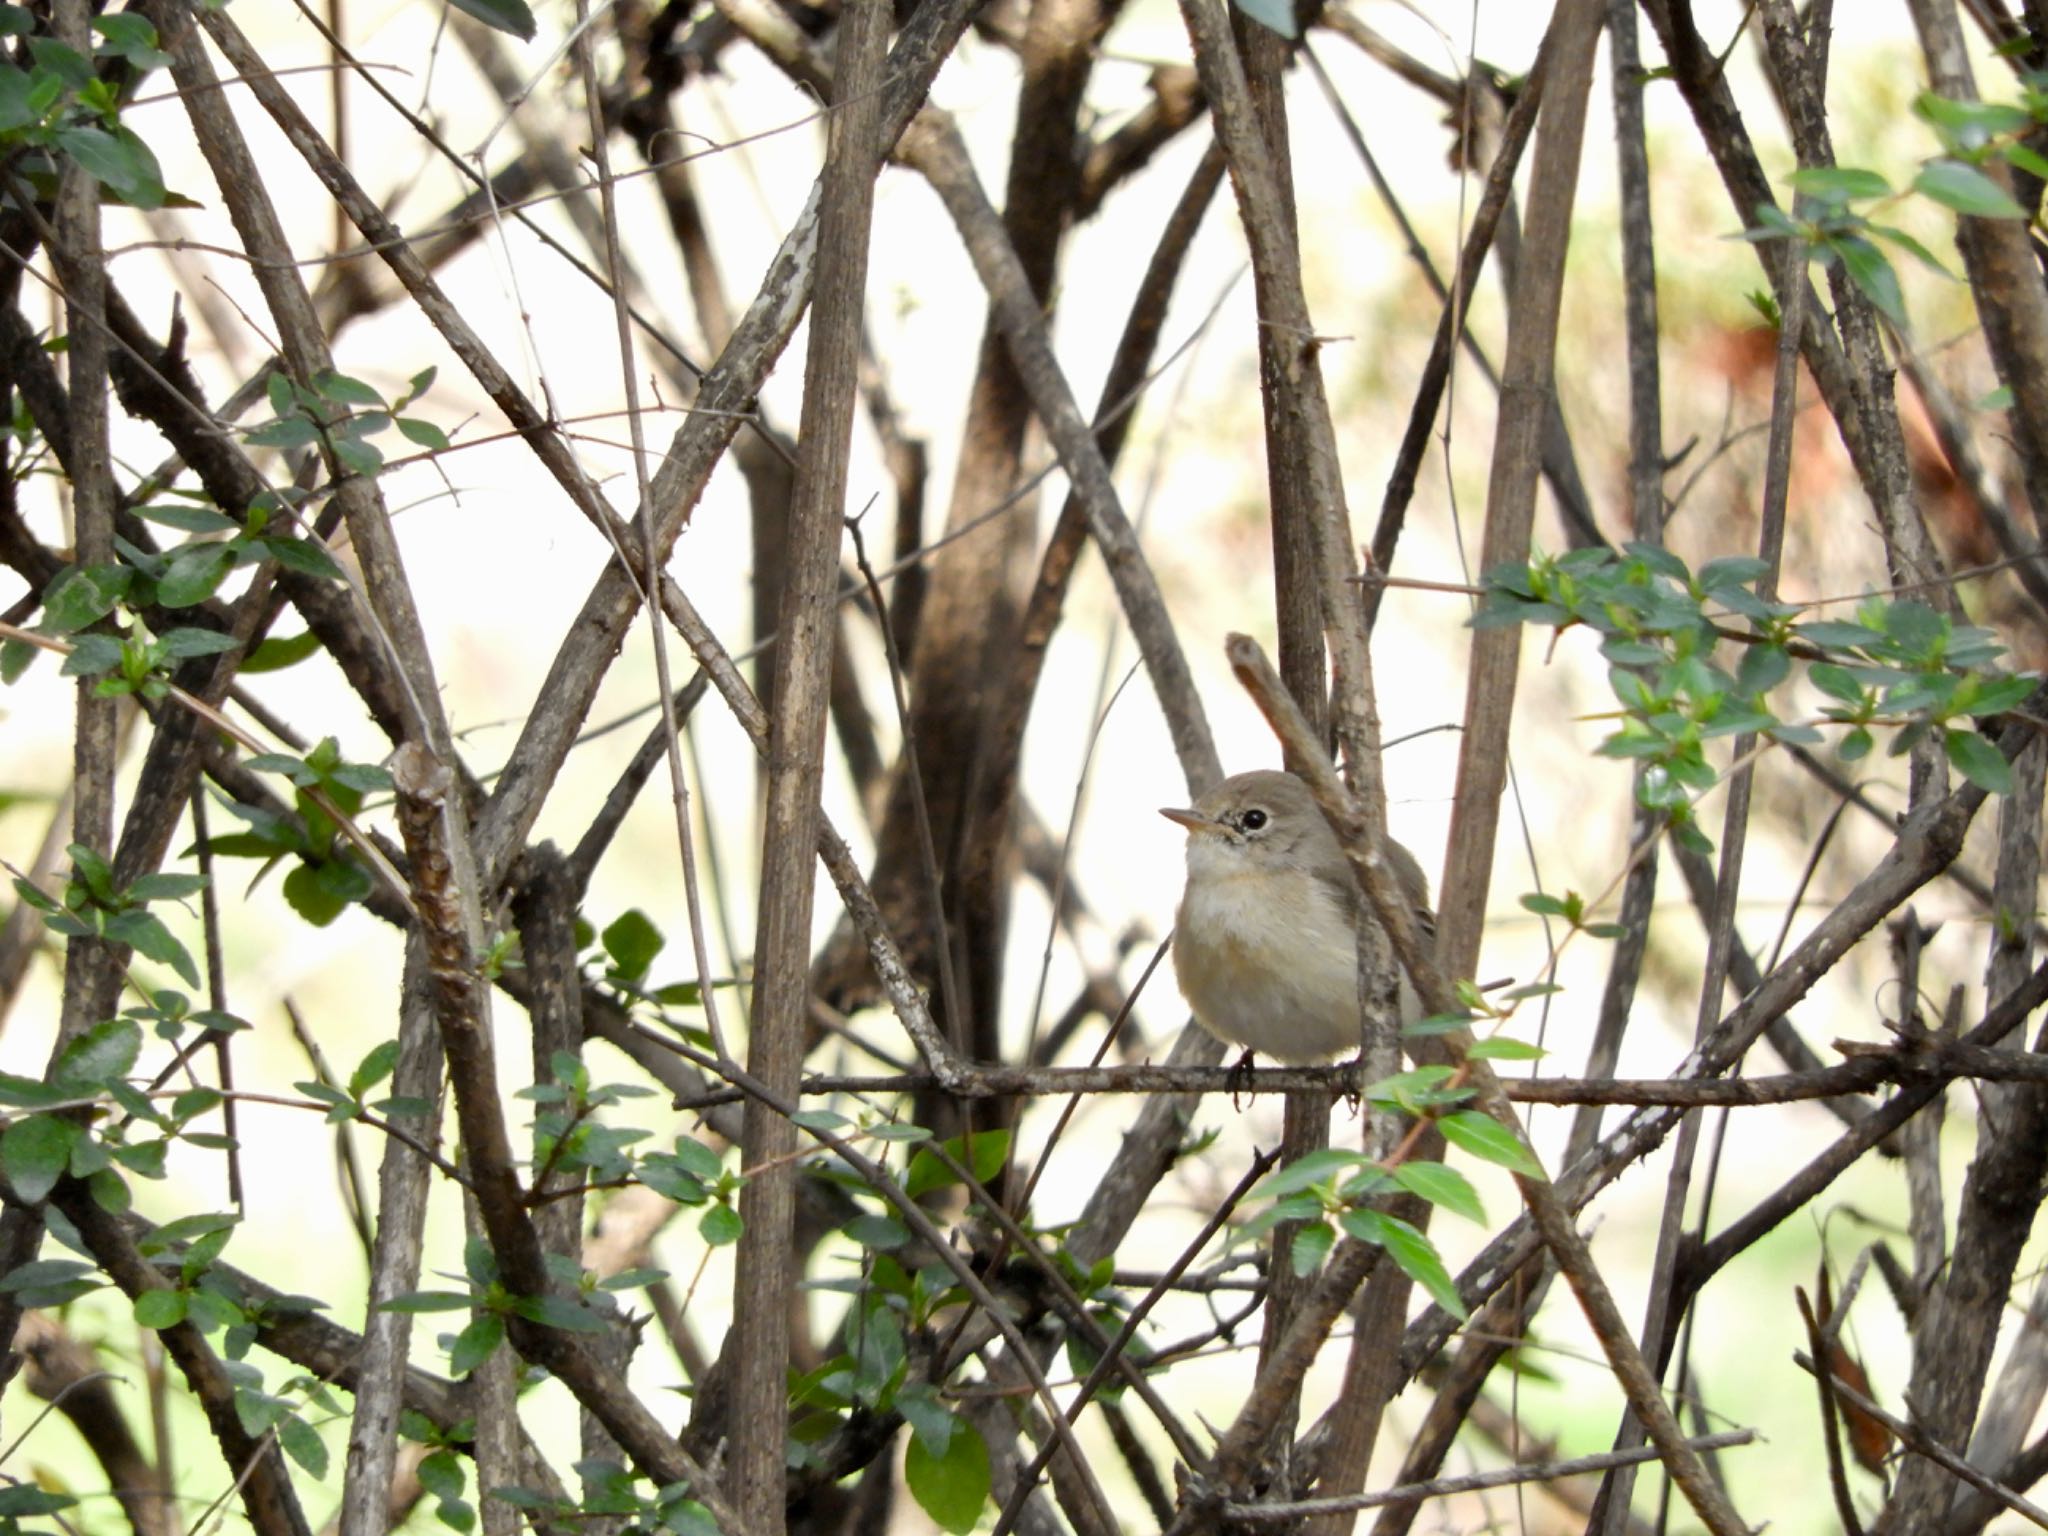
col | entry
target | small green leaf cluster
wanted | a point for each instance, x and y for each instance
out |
(1571, 907)
(326, 875)
(140, 663)
(94, 907)
(1900, 663)
(55, 1140)
(567, 1136)
(946, 1464)
(60, 104)
(442, 1471)
(622, 958)
(326, 411)
(1908, 665)
(190, 573)
(1107, 1308)
(1972, 134)
(1337, 1188)
(353, 1101)
(282, 1412)
(615, 1494)
(341, 415)
(1826, 221)
(690, 1173)
(574, 1306)
(945, 1461)
(199, 1292)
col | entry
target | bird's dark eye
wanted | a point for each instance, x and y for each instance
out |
(1252, 819)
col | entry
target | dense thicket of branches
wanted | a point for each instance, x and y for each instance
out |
(919, 1322)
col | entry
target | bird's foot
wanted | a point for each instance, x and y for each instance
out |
(1240, 1078)
(1354, 1083)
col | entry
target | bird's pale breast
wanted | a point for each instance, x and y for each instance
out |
(1267, 960)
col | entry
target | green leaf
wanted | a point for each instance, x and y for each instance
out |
(303, 1444)
(364, 778)
(1967, 190)
(500, 15)
(441, 1475)
(276, 654)
(185, 643)
(319, 892)
(291, 433)
(1312, 1244)
(343, 390)
(194, 574)
(16, 656)
(161, 1308)
(721, 1225)
(413, 1302)
(424, 433)
(877, 1231)
(1762, 668)
(951, 1488)
(118, 161)
(16, 109)
(1994, 696)
(1731, 571)
(2018, 155)
(1441, 1186)
(305, 556)
(1309, 1170)
(929, 1420)
(35, 1152)
(697, 1159)
(82, 595)
(821, 1120)
(66, 64)
(475, 1344)
(928, 1171)
(1835, 634)
(91, 655)
(167, 886)
(293, 768)
(1418, 1088)
(145, 933)
(1838, 183)
(1836, 682)
(1978, 761)
(898, 1132)
(875, 1339)
(563, 1312)
(105, 1051)
(1872, 272)
(1969, 124)
(632, 941)
(27, 1499)
(357, 457)
(130, 36)
(51, 1282)
(1486, 1138)
(1414, 1252)
(1506, 1047)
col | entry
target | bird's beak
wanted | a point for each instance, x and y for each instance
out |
(1194, 821)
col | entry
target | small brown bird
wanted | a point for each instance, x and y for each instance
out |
(1265, 945)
